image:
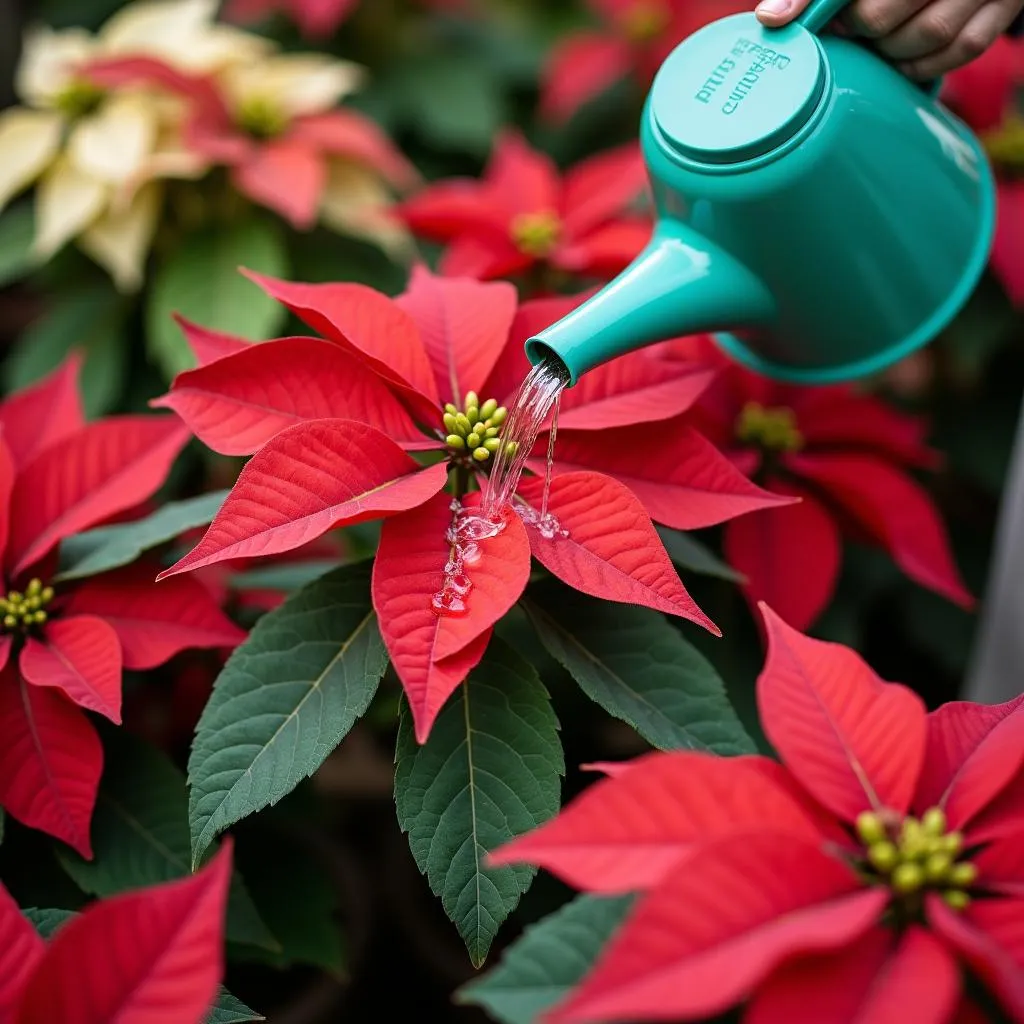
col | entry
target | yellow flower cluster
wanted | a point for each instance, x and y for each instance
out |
(100, 158)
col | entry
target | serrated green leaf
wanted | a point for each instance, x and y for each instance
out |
(286, 577)
(109, 547)
(17, 229)
(538, 969)
(91, 320)
(230, 1010)
(638, 668)
(284, 700)
(489, 772)
(46, 922)
(201, 281)
(688, 553)
(140, 834)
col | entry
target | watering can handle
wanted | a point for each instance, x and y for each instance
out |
(818, 13)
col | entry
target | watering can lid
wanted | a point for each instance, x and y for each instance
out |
(735, 90)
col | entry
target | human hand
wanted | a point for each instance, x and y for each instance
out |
(925, 38)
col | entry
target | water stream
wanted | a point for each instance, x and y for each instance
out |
(537, 397)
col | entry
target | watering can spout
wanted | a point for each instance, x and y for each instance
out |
(680, 284)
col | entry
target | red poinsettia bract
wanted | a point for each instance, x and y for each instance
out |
(636, 36)
(63, 645)
(854, 882)
(846, 456)
(332, 422)
(153, 956)
(523, 214)
(984, 93)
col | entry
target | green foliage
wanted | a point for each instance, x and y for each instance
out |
(489, 772)
(46, 922)
(286, 698)
(688, 553)
(638, 668)
(230, 1010)
(140, 834)
(110, 547)
(17, 227)
(92, 320)
(539, 969)
(201, 281)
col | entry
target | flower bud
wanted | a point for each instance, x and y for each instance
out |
(870, 827)
(481, 454)
(491, 432)
(473, 414)
(956, 900)
(883, 855)
(39, 617)
(450, 409)
(47, 594)
(934, 821)
(963, 875)
(907, 877)
(34, 587)
(474, 440)
(454, 441)
(498, 416)
(10, 621)
(937, 866)
(462, 424)
(471, 399)
(488, 409)
(952, 843)
(451, 423)
(492, 444)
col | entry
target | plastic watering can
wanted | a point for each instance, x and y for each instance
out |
(827, 213)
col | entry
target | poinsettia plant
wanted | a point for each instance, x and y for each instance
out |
(254, 617)
(875, 872)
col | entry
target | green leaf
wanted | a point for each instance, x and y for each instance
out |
(295, 896)
(283, 576)
(92, 320)
(550, 958)
(140, 834)
(17, 229)
(230, 1010)
(285, 699)
(201, 281)
(638, 668)
(489, 772)
(46, 922)
(109, 547)
(688, 553)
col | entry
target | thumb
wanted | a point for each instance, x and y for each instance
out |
(775, 13)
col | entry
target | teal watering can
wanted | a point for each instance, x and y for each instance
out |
(820, 213)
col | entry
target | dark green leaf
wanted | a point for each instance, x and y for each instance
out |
(17, 228)
(91, 320)
(638, 668)
(285, 699)
(201, 281)
(538, 970)
(230, 1010)
(688, 553)
(489, 772)
(295, 896)
(284, 576)
(46, 922)
(109, 547)
(140, 834)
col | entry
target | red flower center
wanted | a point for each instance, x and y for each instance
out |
(644, 20)
(536, 234)
(22, 611)
(912, 855)
(774, 429)
(472, 431)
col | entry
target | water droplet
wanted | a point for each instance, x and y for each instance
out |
(466, 529)
(444, 602)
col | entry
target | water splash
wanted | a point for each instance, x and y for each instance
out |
(468, 527)
(545, 522)
(538, 394)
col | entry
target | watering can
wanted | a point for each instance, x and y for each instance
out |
(818, 212)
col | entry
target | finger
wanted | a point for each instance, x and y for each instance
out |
(877, 18)
(932, 29)
(983, 29)
(775, 13)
